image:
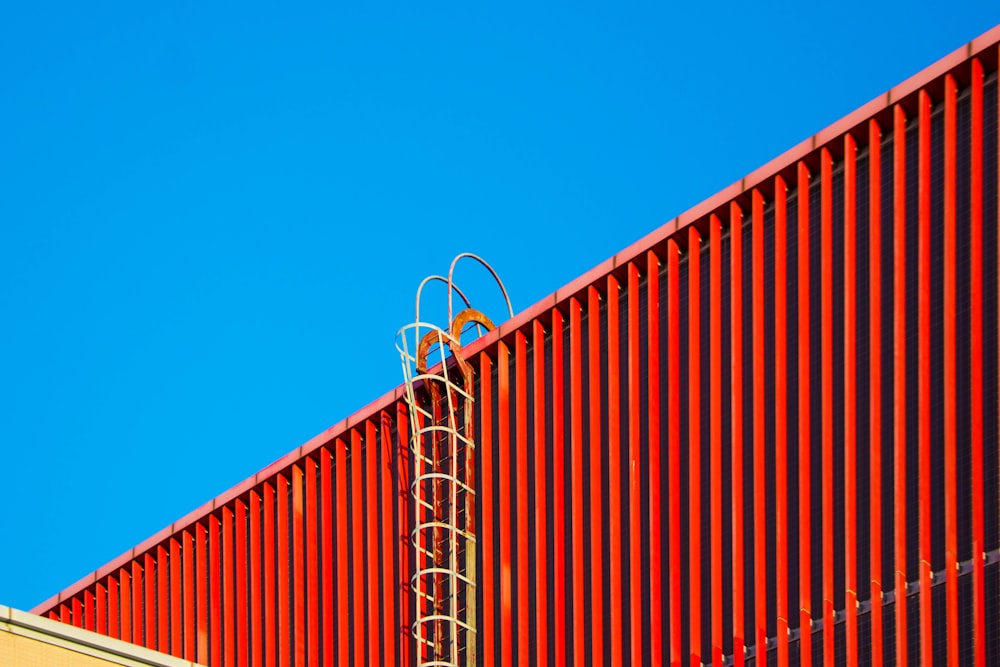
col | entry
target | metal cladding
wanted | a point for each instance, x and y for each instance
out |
(767, 433)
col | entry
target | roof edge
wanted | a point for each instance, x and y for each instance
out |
(573, 289)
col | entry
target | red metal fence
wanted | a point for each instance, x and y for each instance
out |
(766, 432)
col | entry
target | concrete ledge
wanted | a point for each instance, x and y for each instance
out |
(71, 638)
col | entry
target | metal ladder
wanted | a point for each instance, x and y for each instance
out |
(439, 395)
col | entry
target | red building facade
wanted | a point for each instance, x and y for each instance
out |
(766, 433)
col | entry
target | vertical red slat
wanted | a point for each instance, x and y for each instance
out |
(850, 400)
(222, 608)
(147, 610)
(805, 525)
(759, 462)
(257, 549)
(653, 429)
(875, 382)
(673, 453)
(715, 430)
(72, 612)
(270, 585)
(77, 612)
(113, 609)
(402, 628)
(924, 371)
(327, 541)
(102, 609)
(176, 600)
(136, 601)
(899, 373)
(298, 566)
(240, 610)
(826, 355)
(542, 558)
(371, 567)
(635, 454)
(558, 495)
(595, 479)
(228, 615)
(215, 591)
(293, 639)
(201, 588)
(344, 538)
(388, 581)
(306, 580)
(576, 473)
(182, 635)
(357, 541)
(89, 609)
(162, 606)
(503, 461)
(487, 499)
(694, 444)
(950, 383)
(975, 358)
(521, 498)
(125, 603)
(736, 316)
(780, 415)
(284, 582)
(190, 633)
(614, 481)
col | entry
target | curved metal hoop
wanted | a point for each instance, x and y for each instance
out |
(496, 277)
(451, 286)
(420, 290)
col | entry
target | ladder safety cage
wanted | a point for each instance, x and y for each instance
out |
(439, 396)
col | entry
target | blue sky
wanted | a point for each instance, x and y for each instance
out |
(213, 219)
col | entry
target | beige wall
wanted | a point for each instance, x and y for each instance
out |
(27, 640)
(25, 652)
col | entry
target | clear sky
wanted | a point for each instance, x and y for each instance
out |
(213, 219)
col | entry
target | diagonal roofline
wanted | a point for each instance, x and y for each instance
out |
(879, 108)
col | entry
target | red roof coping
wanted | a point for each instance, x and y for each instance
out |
(574, 288)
